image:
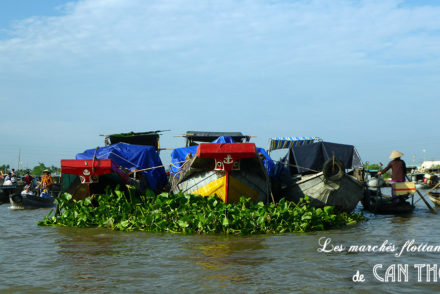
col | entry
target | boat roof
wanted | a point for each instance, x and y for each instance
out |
(311, 157)
(150, 138)
(202, 136)
(288, 142)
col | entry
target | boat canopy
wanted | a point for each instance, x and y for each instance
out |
(142, 138)
(178, 156)
(132, 157)
(311, 157)
(192, 137)
(288, 142)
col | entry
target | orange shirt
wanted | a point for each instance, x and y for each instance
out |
(46, 181)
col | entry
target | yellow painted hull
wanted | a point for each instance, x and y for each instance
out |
(228, 191)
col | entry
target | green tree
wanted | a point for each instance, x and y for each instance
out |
(38, 170)
(53, 169)
(4, 168)
(372, 166)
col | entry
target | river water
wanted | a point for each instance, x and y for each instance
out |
(37, 259)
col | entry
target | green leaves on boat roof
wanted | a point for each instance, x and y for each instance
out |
(184, 213)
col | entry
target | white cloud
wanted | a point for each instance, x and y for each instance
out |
(233, 32)
(136, 64)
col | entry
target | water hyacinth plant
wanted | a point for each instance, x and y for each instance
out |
(184, 213)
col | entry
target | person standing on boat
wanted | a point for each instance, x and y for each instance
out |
(28, 179)
(397, 166)
(46, 181)
(13, 177)
(7, 179)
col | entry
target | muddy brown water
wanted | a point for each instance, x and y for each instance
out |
(37, 259)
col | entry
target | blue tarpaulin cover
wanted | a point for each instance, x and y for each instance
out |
(132, 157)
(178, 156)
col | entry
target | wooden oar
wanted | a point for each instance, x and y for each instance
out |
(423, 198)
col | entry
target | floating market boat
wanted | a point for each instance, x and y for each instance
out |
(5, 191)
(424, 180)
(377, 202)
(223, 168)
(435, 198)
(92, 171)
(27, 200)
(431, 166)
(318, 170)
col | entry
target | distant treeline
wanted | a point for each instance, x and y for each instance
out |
(36, 170)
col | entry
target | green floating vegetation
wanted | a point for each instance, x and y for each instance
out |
(193, 214)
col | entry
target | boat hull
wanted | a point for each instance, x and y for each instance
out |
(344, 194)
(435, 198)
(229, 170)
(237, 184)
(84, 177)
(382, 204)
(30, 202)
(79, 191)
(7, 190)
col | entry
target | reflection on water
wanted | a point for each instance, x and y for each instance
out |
(224, 260)
(56, 259)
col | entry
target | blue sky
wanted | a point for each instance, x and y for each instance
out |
(357, 72)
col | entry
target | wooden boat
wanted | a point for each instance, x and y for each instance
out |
(435, 197)
(118, 164)
(5, 191)
(84, 177)
(228, 170)
(344, 193)
(30, 201)
(318, 170)
(379, 203)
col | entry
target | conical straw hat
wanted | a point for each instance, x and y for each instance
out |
(396, 154)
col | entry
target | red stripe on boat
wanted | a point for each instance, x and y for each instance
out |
(83, 167)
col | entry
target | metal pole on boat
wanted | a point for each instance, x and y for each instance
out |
(18, 163)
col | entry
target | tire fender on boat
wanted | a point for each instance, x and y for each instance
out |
(333, 170)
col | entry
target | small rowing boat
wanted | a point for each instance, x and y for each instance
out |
(435, 197)
(28, 200)
(378, 203)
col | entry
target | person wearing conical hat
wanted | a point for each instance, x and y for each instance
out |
(46, 181)
(397, 166)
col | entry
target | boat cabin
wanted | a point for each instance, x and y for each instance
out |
(195, 137)
(142, 138)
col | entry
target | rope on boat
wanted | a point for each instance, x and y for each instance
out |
(159, 166)
(297, 166)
